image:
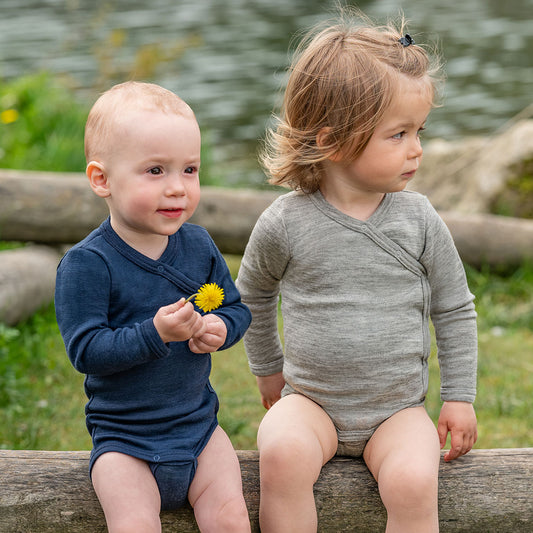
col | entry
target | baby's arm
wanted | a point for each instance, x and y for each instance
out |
(178, 322)
(454, 318)
(270, 388)
(458, 418)
(262, 268)
(212, 337)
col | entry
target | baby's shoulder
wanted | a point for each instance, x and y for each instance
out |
(194, 239)
(411, 205)
(91, 244)
(412, 198)
(192, 231)
(287, 204)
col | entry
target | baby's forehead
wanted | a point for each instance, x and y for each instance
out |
(138, 112)
(145, 109)
(134, 95)
(402, 84)
(136, 103)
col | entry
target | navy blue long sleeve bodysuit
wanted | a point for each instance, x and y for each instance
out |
(147, 399)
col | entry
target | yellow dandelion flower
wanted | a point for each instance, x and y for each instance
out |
(8, 116)
(209, 297)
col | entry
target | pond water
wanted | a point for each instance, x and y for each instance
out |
(227, 58)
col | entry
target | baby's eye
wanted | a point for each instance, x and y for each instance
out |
(420, 131)
(156, 171)
(191, 170)
(399, 135)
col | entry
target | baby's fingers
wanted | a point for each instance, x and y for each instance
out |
(456, 447)
(197, 325)
(197, 345)
(459, 445)
(173, 308)
(442, 430)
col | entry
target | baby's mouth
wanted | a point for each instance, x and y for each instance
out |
(171, 212)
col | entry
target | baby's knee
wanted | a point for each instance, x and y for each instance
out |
(135, 522)
(408, 486)
(289, 461)
(280, 455)
(233, 516)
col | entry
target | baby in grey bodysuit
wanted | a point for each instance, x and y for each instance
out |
(361, 266)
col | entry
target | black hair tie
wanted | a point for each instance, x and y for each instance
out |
(407, 40)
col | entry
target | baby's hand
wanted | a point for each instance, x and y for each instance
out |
(270, 388)
(459, 418)
(178, 322)
(212, 337)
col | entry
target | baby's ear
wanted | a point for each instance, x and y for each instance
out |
(98, 179)
(327, 144)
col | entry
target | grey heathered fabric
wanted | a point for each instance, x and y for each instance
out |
(356, 302)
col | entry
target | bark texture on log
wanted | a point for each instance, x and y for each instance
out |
(486, 490)
(27, 281)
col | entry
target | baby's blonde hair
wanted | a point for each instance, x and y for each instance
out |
(342, 80)
(112, 105)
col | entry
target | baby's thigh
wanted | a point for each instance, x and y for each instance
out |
(406, 448)
(218, 472)
(216, 490)
(127, 492)
(295, 426)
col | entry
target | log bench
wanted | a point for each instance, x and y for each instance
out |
(486, 491)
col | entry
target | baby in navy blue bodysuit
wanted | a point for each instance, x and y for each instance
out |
(122, 310)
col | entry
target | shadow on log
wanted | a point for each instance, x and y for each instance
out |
(484, 491)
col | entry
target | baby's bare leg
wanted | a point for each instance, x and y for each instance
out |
(127, 492)
(296, 438)
(216, 490)
(403, 456)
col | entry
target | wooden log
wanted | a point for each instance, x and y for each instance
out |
(46, 207)
(229, 215)
(484, 491)
(490, 239)
(60, 208)
(27, 281)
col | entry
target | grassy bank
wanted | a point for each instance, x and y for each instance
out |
(41, 395)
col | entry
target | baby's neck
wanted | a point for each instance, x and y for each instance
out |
(151, 245)
(153, 250)
(360, 207)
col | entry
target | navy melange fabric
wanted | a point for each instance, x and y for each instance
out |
(148, 399)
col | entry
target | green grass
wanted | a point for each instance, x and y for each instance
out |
(41, 395)
(42, 399)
